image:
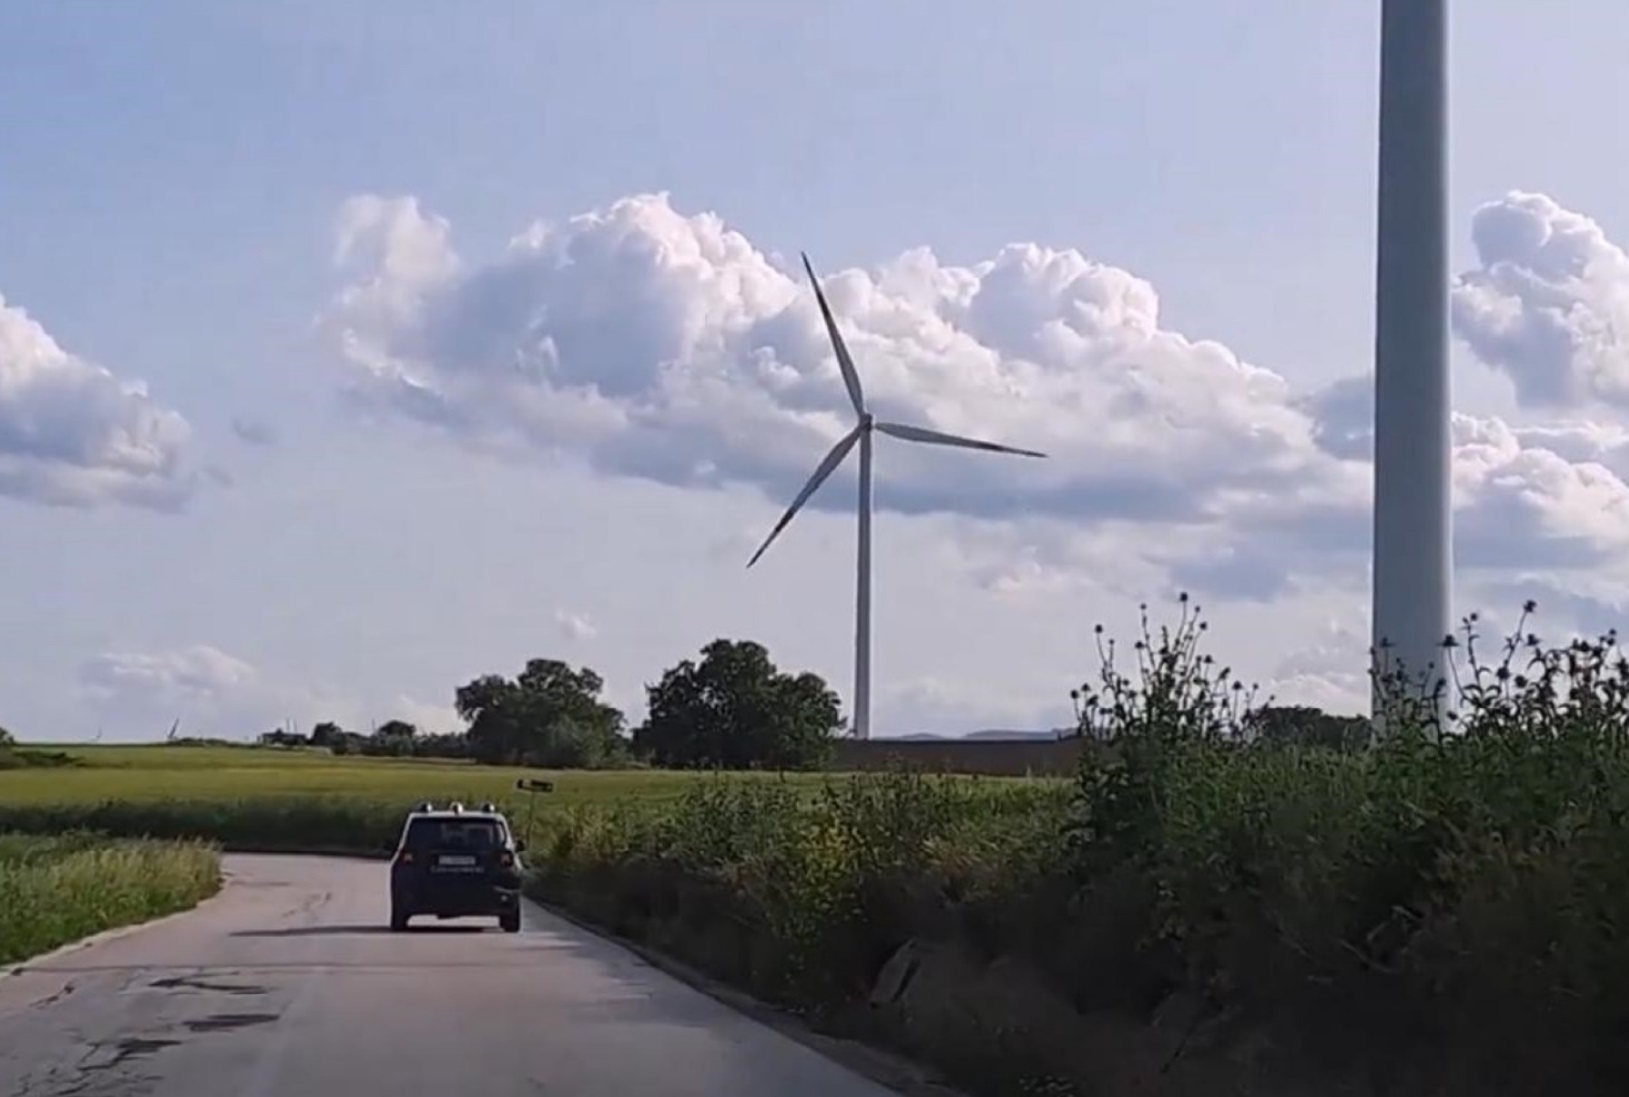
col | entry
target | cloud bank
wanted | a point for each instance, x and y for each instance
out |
(651, 343)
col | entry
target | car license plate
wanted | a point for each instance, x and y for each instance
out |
(456, 859)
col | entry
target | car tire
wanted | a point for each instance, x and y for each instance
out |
(398, 920)
(509, 921)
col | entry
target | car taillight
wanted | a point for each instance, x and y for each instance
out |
(507, 859)
(405, 857)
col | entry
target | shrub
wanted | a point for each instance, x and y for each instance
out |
(1453, 891)
(820, 891)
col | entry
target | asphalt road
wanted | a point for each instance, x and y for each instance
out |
(288, 984)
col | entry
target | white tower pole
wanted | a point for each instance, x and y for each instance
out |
(1413, 518)
(862, 593)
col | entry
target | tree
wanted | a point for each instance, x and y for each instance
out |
(446, 745)
(6, 739)
(326, 734)
(1306, 725)
(549, 715)
(736, 710)
(391, 739)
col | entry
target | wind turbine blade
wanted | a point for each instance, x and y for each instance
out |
(939, 438)
(851, 376)
(832, 460)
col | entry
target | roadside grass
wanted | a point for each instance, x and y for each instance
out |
(62, 888)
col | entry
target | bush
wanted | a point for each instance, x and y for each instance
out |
(814, 894)
(1452, 893)
(57, 890)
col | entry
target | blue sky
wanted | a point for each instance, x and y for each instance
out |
(174, 180)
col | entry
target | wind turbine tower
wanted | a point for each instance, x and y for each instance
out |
(864, 428)
(1413, 517)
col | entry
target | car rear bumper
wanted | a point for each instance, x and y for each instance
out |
(456, 901)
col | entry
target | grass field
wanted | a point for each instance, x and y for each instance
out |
(272, 800)
(143, 774)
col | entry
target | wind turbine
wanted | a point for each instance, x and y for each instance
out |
(1413, 514)
(866, 426)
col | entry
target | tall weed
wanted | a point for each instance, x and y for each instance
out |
(1457, 889)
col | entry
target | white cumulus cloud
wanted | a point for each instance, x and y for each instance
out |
(73, 434)
(199, 688)
(199, 672)
(1548, 304)
(575, 626)
(667, 346)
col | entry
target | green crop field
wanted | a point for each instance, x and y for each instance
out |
(275, 800)
(136, 774)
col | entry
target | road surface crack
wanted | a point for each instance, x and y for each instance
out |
(190, 982)
(88, 1076)
(226, 1022)
(54, 997)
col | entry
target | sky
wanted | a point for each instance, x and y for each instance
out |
(349, 351)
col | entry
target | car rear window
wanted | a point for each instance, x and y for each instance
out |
(452, 834)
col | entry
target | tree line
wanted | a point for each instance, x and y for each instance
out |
(732, 708)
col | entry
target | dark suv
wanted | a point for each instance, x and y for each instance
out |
(452, 863)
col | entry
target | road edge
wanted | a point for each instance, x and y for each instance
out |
(875, 1064)
(21, 967)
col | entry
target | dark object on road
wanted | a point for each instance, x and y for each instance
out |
(454, 863)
